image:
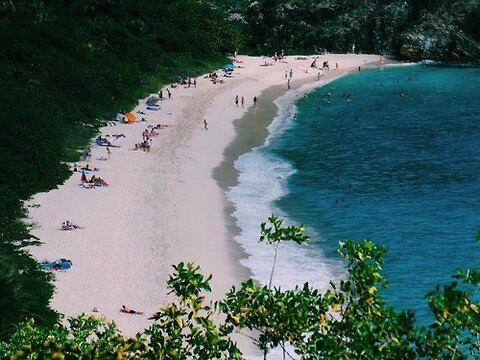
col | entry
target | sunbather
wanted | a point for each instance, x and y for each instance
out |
(98, 181)
(88, 168)
(126, 310)
(67, 225)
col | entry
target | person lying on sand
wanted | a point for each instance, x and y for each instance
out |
(88, 168)
(126, 310)
(116, 136)
(67, 225)
(98, 181)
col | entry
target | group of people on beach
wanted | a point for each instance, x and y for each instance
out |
(242, 100)
(147, 137)
(214, 78)
(94, 180)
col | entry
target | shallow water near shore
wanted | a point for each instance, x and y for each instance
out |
(391, 155)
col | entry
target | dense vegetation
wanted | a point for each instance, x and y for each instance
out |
(412, 29)
(349, 321)
(67, 65)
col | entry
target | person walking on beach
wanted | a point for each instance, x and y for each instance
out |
(288, 84)
(243, 102)
(254, 101)
(236, 100)
(205, 124)
(109, 153)
(291, 73)
(195, 82)
(169, 94)
(160, 95)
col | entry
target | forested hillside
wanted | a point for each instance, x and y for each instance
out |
(67, 66)
(411, 29)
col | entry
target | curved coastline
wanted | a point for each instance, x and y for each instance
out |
(253, 131)
(161, 207)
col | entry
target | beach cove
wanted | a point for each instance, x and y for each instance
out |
(163, 206)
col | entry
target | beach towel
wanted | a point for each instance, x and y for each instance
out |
(152, 100)
(59, 265)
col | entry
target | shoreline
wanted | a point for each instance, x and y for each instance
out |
(161, 207)
(252, 132)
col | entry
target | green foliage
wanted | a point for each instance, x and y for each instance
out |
(443, 29)
(277, 234)
(185, 329)
(348, 321)
(66, 67)
(84, 338)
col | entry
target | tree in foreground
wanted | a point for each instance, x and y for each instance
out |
(348, 321)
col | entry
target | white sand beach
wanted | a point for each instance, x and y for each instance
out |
(163, 206)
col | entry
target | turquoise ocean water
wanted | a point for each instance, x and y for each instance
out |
(392, 155)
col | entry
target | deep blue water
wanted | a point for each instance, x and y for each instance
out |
(392, 155)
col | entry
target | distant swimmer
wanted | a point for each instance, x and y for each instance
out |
(295, 116)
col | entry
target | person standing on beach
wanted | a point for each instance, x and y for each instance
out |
(160, 95)
(236, 100)
(288, 84)
(254, 101)
(243, 102)
(169, 94)
(195, 82)
(109, 153)
(291, 73)
(205, 124)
